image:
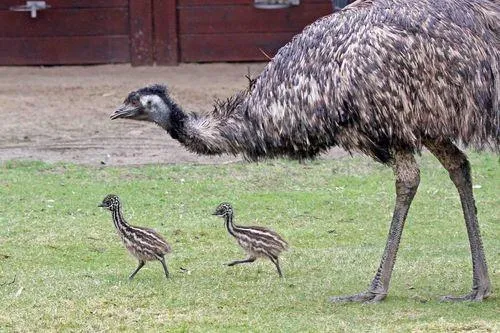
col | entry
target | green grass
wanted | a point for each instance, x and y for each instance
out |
(63, 268)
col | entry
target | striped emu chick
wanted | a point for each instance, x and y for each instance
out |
(256, 241)
(143, 243)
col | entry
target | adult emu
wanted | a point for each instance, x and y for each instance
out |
(382, 77)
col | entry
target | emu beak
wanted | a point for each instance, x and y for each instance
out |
(127, 111)
(101, 205)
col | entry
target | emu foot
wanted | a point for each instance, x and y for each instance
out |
(365, 297)
(476, 295)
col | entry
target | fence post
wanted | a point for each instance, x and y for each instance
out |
(166, 44)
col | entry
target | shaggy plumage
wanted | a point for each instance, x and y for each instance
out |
(377, 76)
(382, 77)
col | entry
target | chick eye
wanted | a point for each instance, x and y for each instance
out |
(148, 103)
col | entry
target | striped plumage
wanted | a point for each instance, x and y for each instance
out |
(256, 241)
(143, 243)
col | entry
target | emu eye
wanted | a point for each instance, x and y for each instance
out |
(148, 103)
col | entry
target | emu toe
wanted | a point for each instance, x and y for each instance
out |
(364, 297)
(475, 296)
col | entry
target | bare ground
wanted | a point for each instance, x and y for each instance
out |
(56, 114)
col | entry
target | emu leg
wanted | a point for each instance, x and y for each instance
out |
(141, 264)
(407, 180)
(237, 262)
(162, 260)
(459, 170)
(276, 263)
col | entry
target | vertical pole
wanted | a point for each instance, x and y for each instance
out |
(166, 45)
(141, 32)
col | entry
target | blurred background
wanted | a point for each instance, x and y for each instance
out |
(145, 32)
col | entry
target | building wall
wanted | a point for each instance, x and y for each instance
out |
(234, 30)
(147, 31)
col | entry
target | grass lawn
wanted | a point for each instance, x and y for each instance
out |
(63, 268)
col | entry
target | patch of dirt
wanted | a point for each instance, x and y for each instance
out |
(58, 114)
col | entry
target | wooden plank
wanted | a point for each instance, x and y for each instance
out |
(165, 28)
(232, 47)
(64, 50)
(141, 32)
(65, 22)
(231, 19)
(6, 4)
(181, 3)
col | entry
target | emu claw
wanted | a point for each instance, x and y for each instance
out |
(473, 296)
(365, 297)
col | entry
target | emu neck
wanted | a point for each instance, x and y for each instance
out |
(172, 122)
(120, 224)
(229, 224)
(219, 132)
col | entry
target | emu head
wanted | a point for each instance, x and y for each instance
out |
(111, 202)
(150, 103)
(224, 209)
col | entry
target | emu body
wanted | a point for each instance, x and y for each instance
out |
(381, 77)
(143, 243)
(258, 242)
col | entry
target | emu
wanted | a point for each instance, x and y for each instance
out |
(143, 243)
(256, 241)
(382, 77)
